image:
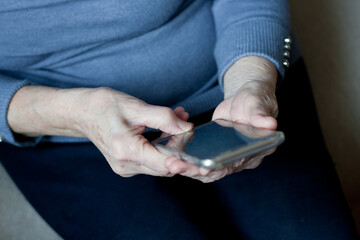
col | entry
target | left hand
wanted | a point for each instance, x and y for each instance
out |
(254, 103)
(249, 87)
(250, 99)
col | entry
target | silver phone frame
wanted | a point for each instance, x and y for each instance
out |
(227, 157)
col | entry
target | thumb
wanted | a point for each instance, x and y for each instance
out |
(261, 121)
(260, 116)
(163, 118)
(223, 110)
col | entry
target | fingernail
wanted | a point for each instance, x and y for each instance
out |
(182, 171)
(204, 172)
(177, 170)
(187, 137)
(168, 162)
(184, 115)
(186, 126)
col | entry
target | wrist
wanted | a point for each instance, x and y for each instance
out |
(37, 110)
(249, 69)
(72, 111)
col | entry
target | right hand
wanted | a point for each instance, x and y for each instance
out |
(114, 122)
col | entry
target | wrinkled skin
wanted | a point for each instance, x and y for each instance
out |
(252, 102)
(114, 121)
(121, 119)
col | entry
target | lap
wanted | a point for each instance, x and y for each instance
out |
(293, 194)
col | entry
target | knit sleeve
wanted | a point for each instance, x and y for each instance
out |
(8, 88)
(250, 28)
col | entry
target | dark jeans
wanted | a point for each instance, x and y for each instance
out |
(294, 194)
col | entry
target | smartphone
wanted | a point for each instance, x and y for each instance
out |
(218, 143)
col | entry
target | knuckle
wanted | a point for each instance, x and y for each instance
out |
(121, 170)
(165, 172)
(117, 153)
(207, 180)
(218, 175)
(137, 147)
(166, 113)
(224, 173)
(115, 148)
(161, 171)
(122, 149)
(254, 164)
(102, 93)
(103, 90)
(127, 175)
(205, 172)
(251, 166)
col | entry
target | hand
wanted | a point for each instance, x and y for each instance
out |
(112, 120)
(177, 166)
(115, 122)
(254, 103)
(249, 99)
(249, 87)
(178, 143)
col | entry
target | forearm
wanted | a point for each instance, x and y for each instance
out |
(38, 110)
(249, 69)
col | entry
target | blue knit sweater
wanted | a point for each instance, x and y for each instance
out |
(167, 53)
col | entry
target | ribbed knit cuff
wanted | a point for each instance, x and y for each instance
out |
(8, 87)
(258, 37)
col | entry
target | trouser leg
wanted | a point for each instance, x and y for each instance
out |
(294, 194)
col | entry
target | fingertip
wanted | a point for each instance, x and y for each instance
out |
(184, 116)
(204, 171)
(185, 126)
(177, 167)
(271, 123)
(179, 110)
(265, 122)
(174, 165)
(169, 161)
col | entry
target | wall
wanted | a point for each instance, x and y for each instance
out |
(329, 31)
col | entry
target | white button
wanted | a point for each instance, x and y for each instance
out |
(286, 54)
(286, 63)
(288, 40)
(2, 139)
(287, 46)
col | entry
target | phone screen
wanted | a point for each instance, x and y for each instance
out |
(218, 140)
